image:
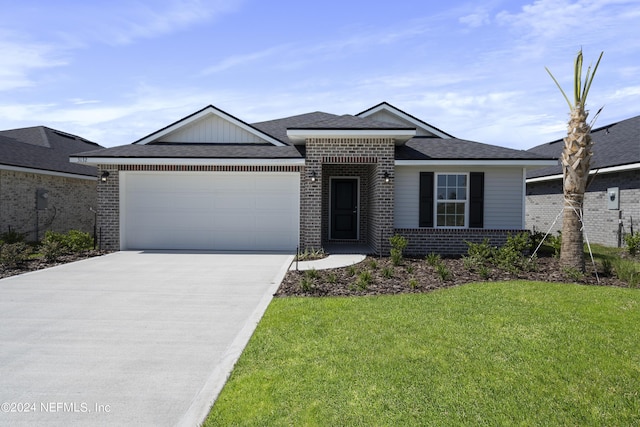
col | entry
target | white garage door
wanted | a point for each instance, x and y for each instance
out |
(209, 210)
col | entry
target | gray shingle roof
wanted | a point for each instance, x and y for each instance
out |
(207, 151)
(417, 148)
(459, 149)
(44, 148)
(616, 144)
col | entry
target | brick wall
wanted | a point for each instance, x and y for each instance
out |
(367, 158)
(449, 242)
(69, 203)
(544, 202)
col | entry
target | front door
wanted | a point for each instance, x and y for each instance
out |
(344, 208)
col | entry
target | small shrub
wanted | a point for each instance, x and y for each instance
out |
(627, 271)
(480, 253)
(398, 244)
(332, 278)
(51, 249)
(443, 272)
(351, 270)
(410, 269)
(556, 243)
(306, 284)
(14, 254)
(468, 263)
(11, 236)
(311, 274)
(364, 280)
(607, 267)
(373, 264)
(484, 272)
(633, 243)
(387, 272)
(573, 274)
(310, 254)
(433, 259)
(73, 241)
(413, 283)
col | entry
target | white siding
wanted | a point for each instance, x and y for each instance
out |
(388, 117)
(211, 129)
(502, 195)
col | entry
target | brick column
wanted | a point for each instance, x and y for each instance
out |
(109, 209)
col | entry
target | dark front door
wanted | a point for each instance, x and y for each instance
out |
(344, 208)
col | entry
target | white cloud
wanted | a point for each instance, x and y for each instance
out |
(476, 19)
(20, 58)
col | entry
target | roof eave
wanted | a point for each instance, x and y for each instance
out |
(299, 136)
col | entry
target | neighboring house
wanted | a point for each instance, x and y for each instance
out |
(614, 191)
(39, 188)
(213, 182)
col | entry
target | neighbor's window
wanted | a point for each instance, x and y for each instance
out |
(451, 200)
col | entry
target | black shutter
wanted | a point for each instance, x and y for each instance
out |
(476, 202)
(426, 199)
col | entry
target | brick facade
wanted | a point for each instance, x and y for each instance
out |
(544, 202)
(365, 158)
(68, 204)
(449, 242)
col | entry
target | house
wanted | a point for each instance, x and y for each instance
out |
(211, 181)
(612, 195)
(39, 188)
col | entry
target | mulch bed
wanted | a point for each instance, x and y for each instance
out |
(39, 263)
(417, 276)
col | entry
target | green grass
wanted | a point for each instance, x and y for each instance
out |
(513, 353)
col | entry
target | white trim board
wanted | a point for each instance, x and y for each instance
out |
(611, 169)
(184, 161)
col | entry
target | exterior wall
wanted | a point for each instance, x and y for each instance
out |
(449, 242)
(368, 158)
(69, 204)
(545, 201)
(109, 192)
(503, 187)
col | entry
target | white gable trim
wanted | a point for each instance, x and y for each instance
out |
(184, 161)
(207, 111)
(393, 110)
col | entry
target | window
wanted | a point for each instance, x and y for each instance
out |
(456, 200)
(451, 200)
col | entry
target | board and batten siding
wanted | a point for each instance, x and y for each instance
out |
(212, 129)
(503, 197)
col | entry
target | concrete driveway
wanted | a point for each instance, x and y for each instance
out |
(130, 338)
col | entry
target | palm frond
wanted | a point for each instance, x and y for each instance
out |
(560, 87)
(589, 80)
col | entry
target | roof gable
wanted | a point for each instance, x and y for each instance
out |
(209, 126)
(385, 112)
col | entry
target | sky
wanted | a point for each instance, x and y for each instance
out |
(115, 71)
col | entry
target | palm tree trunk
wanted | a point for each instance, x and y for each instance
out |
(576, 160)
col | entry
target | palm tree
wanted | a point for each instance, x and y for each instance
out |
(576, 159)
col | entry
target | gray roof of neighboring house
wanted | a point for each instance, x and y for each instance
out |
(615, 144)
(44, 148)
(417, 148)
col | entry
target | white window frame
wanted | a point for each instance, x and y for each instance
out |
(438, 201)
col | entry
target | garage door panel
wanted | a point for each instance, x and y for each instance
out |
(210, 211)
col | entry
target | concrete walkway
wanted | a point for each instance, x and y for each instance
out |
(332, 261)
(131, 338)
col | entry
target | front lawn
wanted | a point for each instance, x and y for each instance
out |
(527, 353)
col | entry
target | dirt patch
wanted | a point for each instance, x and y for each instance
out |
(378, 276)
